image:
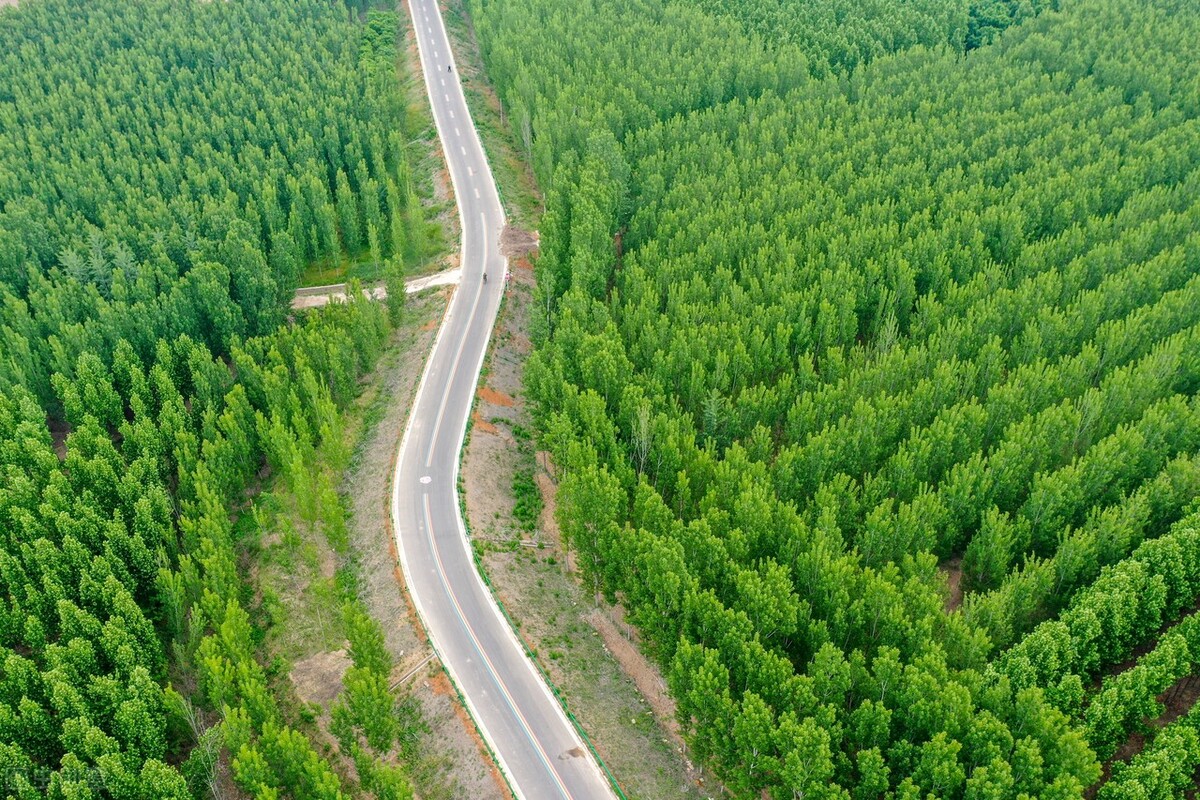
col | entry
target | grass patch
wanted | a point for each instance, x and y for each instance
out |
(425, 254)
(346, 268)
(527, 508)
(363, 268)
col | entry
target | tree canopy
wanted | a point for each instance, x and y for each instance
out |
(166, 171)
(840, 299)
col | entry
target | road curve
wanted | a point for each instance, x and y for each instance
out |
(536, 746)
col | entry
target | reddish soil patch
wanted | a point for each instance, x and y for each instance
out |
(481, 425)
(490, 395)
(440, 684)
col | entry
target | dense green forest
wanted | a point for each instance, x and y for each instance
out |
(846, 308)
(166, 171)
(160, 180)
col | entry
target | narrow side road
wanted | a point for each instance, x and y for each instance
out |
(318, 296)
(536, 746)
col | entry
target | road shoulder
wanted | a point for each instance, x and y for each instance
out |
(570, 636)
(454, 764)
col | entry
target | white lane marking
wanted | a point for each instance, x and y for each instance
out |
(464, 150)
(470, 170)
(426, 479)
(469, 553)
(552, 701)
(443, 81)
(437, 423)
(487, 735)
(447, 97)
(457, 132)
(491, 668)
(476, 192)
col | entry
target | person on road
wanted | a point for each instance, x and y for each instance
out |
(485, 277)
(448, 69)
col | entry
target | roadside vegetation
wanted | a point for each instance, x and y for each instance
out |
(588, 657)
(509, 161)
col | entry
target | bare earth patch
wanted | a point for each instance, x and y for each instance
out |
(516, 243)
(1178, 700)
(953, 571)
(1142, 649)
(490, 395)
(318, 678)
(645, 675)
(59, 429)
(480, 424)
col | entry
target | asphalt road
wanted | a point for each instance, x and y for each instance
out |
(524, 725)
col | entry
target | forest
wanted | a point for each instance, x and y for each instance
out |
(867, 353)
(167, 171)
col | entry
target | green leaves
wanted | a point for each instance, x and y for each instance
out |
(807, 345)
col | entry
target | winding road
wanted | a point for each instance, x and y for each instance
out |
(537, 748)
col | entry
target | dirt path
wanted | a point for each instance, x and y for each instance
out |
(953, 571)
(318, 296)
(1177, 700)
